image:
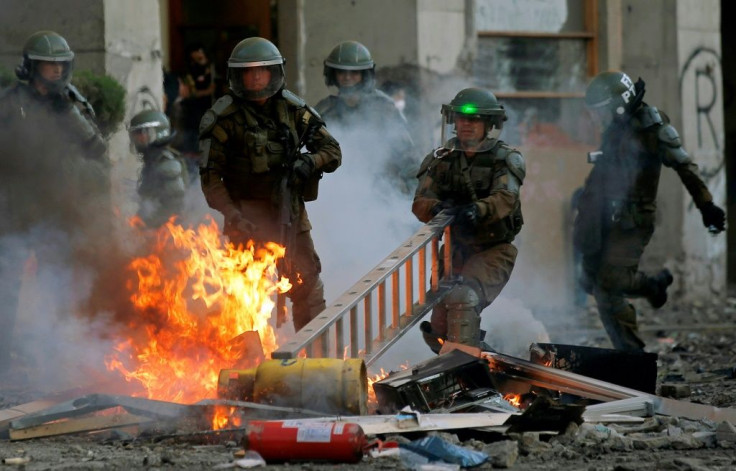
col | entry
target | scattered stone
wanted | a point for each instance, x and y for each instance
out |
(690, 464)
(676, 391)
(725, 432)
(502, 454)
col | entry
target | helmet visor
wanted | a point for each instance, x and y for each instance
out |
(55, 75)
(149, 133)
(257, 81)
(469, 131)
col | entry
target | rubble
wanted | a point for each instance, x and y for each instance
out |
(625, 431)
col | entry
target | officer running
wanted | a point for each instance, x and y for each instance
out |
(616, 210)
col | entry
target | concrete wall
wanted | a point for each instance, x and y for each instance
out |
(701, 93)
(81, 22)
(133, 57)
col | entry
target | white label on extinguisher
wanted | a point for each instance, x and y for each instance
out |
(316, 433)
(338, 428)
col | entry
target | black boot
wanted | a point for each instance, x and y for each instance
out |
(433, 340)
(658, 292)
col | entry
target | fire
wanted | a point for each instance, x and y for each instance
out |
(378, 377)
(373, 379)
(513, 399)
(192, 295)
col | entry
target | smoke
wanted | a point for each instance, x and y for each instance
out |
(360, 218)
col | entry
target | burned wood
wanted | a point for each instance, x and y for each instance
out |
(78, 425)
(97, 402)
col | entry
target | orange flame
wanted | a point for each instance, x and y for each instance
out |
(513, 399)
(378, 377)
(373, 379)
(192, 295)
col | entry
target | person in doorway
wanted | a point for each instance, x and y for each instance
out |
(254, 171)
(477, 178)
(616, 209)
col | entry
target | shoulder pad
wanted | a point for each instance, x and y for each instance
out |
(515, 163)
(293, 98)
(77, 97)
(171, 152)
(668, 135)
(224, 106)
(648, 116)
(672, 152)
(426, 163)
(208, 121)
(326, 104)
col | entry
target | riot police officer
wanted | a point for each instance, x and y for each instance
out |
(477, 177)
(367, 115)
(54, 170)
(616, 209)
(163, 178)
(253, 168)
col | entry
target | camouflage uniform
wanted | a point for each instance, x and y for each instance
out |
(55, 174)
(484, 255)
(616, 212)
(161, 186)
(364, 109)
(246, 153)
(488, 182)
(163, 180)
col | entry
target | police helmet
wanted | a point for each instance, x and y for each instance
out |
(255, 52)
(149, 128)
(46, 46)
(611, 91)
(473, 103)
(350, 55)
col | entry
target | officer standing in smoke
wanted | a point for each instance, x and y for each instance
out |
(616, 209)
(54, 170)
(251, 142)
(359, 106)
(477, 177)
(163, 179)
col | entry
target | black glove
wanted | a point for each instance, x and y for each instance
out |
(467, 215)
(441, 206)
(304, 167)
(714, 218)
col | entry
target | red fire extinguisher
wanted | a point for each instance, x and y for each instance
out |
(294, 440)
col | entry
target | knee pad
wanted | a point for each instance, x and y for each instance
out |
(463, 321)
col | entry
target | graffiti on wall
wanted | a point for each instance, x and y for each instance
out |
(700, 86)
(143, 99)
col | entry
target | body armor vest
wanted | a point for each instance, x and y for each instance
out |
(466, 180)
(268, 146)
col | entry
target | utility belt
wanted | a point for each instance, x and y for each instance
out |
(505, 230)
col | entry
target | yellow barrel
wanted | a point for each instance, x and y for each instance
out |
(326, 385)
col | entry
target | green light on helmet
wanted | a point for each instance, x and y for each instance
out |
(469, 108)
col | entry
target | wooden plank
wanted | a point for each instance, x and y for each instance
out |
(79, 425)
(405, 423)
(12, 413)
